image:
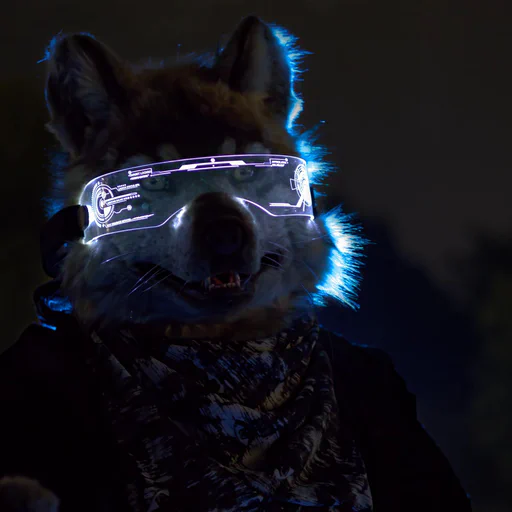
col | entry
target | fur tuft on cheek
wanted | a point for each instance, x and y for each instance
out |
(300, 245)
(310, 255)
(345, 246)
(93, 280)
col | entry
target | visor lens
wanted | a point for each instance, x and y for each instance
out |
(149, 196)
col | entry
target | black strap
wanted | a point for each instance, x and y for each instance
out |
(65, 226)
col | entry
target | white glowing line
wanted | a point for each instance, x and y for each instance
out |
(310, 215)
(177, 220)
(90, 211)
(135, 229)
(120, 199)
(193, 167)
(298, 205)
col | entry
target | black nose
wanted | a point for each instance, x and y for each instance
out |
(225, 236)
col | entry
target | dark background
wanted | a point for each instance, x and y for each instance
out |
(416, 96)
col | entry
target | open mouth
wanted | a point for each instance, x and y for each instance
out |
(224, 284)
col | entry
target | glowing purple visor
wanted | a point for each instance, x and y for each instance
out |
(148, 196)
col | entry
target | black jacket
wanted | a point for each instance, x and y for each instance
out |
(52, 427)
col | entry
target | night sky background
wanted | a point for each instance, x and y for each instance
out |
(416, 99)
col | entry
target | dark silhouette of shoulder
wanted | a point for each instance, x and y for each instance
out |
(406, 469)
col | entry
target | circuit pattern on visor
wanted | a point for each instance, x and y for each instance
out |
(148, 196)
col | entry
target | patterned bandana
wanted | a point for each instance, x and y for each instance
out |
(230, 426)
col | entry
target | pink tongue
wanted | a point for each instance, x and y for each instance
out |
(223, 278)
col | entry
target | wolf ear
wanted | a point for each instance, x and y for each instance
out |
(86, 92)
(253, 61)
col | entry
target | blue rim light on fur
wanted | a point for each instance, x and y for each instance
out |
(294, 57)
(55, 202)
(50, 49)
(342, 278)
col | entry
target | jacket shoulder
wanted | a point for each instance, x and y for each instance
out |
(51, 425)
(37, 351)
(406, 468)
(369, 372)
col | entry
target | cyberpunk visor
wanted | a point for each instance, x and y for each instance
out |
(148, 196)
